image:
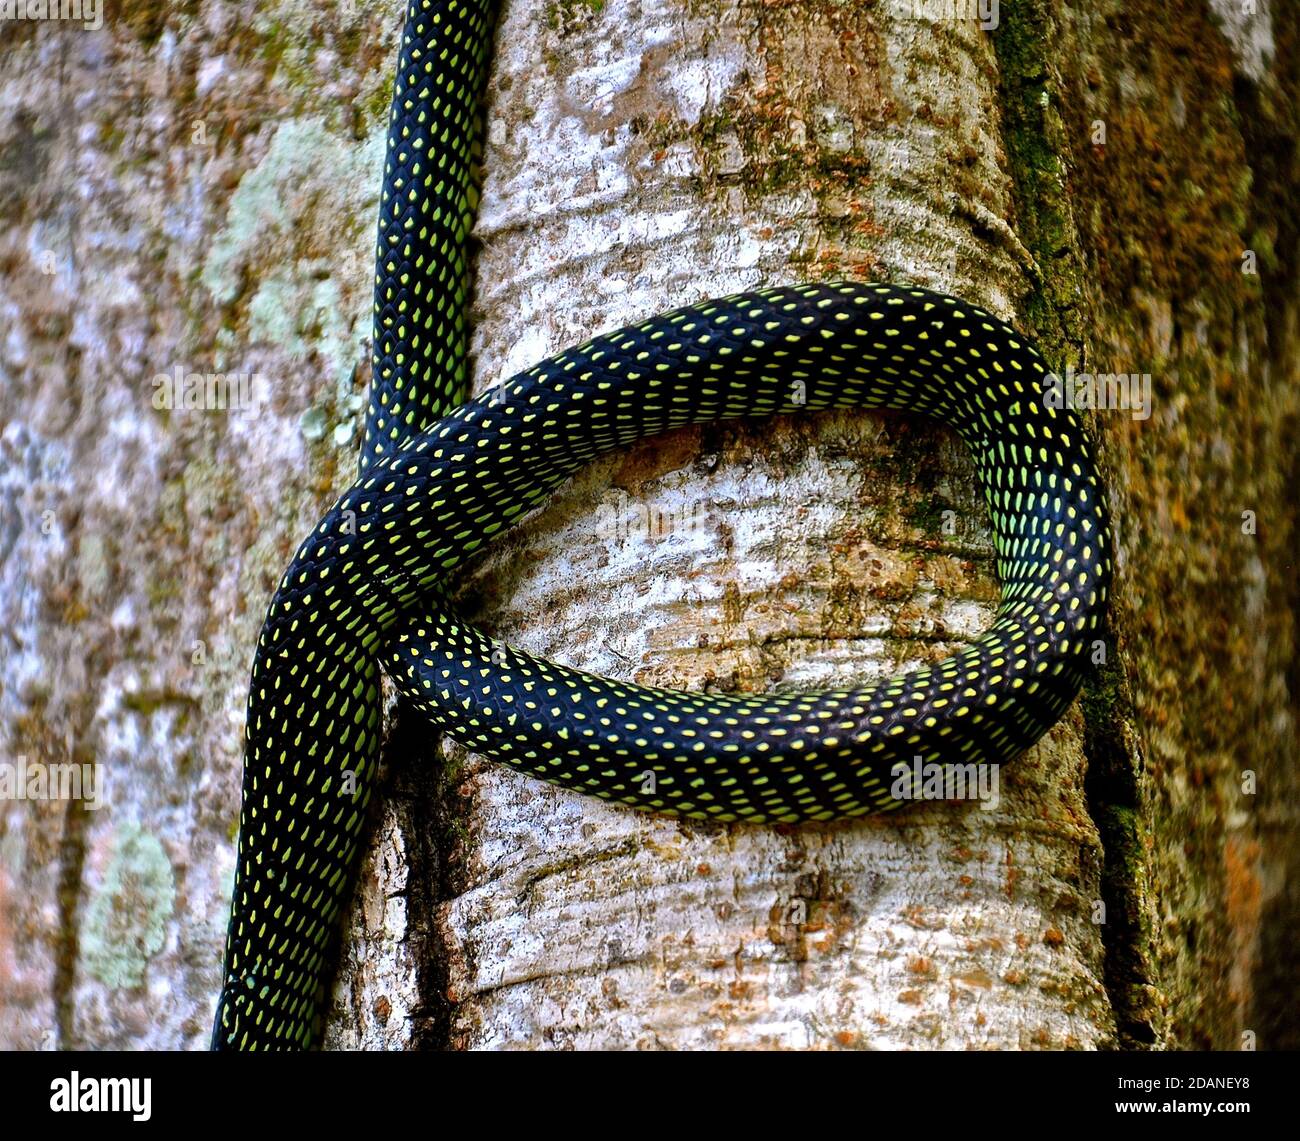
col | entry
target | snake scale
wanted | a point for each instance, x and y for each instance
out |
(440, 478)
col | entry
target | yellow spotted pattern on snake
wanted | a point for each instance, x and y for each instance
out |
(440, 478)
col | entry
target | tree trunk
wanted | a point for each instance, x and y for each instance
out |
(193, 188)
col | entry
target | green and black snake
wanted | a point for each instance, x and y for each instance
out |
(440, 479)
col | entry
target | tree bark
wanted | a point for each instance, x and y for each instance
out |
(194, 187)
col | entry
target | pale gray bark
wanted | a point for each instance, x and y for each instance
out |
(203, 181)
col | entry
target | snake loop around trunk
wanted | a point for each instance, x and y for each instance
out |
(440, 479)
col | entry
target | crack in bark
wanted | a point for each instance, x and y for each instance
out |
(628, 847)
(72, 862)
(425, 816)
(1111, 788)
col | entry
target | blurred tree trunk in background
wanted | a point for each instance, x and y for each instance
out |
(192, 189)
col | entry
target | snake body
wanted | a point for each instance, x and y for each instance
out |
(441, 478)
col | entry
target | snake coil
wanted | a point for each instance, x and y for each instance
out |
(440, 478)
